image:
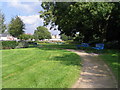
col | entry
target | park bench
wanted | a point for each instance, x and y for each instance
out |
(82, 45)
(99, 46)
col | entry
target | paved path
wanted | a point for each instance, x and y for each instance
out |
(95, 73)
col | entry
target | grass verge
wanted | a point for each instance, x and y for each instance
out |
(39, 68)
(112, 57)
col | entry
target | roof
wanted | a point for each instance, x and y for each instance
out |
(4, 35)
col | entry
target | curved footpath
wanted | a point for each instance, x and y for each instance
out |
(95, 73)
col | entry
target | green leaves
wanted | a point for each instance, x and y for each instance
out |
(42, 33)
(2, 25)
(87, 18)
(25, 37)
(16, 27)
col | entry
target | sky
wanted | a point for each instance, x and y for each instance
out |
(27, 11)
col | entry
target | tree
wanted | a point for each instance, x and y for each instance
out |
(42, 33)
(113, 32)
(65, 37)
(25, 37)
(91, 20)
(2, 25)
(16, 27)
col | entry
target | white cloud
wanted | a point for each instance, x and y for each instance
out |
(23, 6)
(53, 32)
(33, 19)
(31, 22)
(20, 0)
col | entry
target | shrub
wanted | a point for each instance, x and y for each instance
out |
(9, 44)
(69, 42)
(41, 41)
(22, 44)
(112, 45)
(25, 37)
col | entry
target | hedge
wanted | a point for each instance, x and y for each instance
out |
(9, 44)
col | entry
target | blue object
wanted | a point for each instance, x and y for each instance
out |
(99, 46)
(82, 45)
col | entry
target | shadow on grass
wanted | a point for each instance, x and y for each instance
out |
(70, 59)
(54, 47)
(65, 58)
(112, 60)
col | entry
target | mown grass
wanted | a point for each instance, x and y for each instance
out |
(56, 46)
(112, 58)
(39, 68)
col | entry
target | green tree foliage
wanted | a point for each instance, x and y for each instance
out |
(94, 21)
(113, 32)
(2, 25)
(25, 37)
(65, 37)
(42, 33)
(16, 27)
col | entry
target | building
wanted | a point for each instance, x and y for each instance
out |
(7, 37)
(54, 38)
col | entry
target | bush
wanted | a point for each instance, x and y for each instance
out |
(9, 44)
(33, 43)
(69, 42)
(22, 44)
(112, 45)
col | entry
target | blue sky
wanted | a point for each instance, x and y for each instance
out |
(27, 11)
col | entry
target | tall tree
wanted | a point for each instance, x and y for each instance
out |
(42, 33)
(16, 27)
(2, 25)
(113, 32)
(91, 20)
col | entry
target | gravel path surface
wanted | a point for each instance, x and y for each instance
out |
(95, 73)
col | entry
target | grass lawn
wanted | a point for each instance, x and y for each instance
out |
(39, 68)
(57, 46)
(112, 57)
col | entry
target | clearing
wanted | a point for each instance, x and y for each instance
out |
(37, 68)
